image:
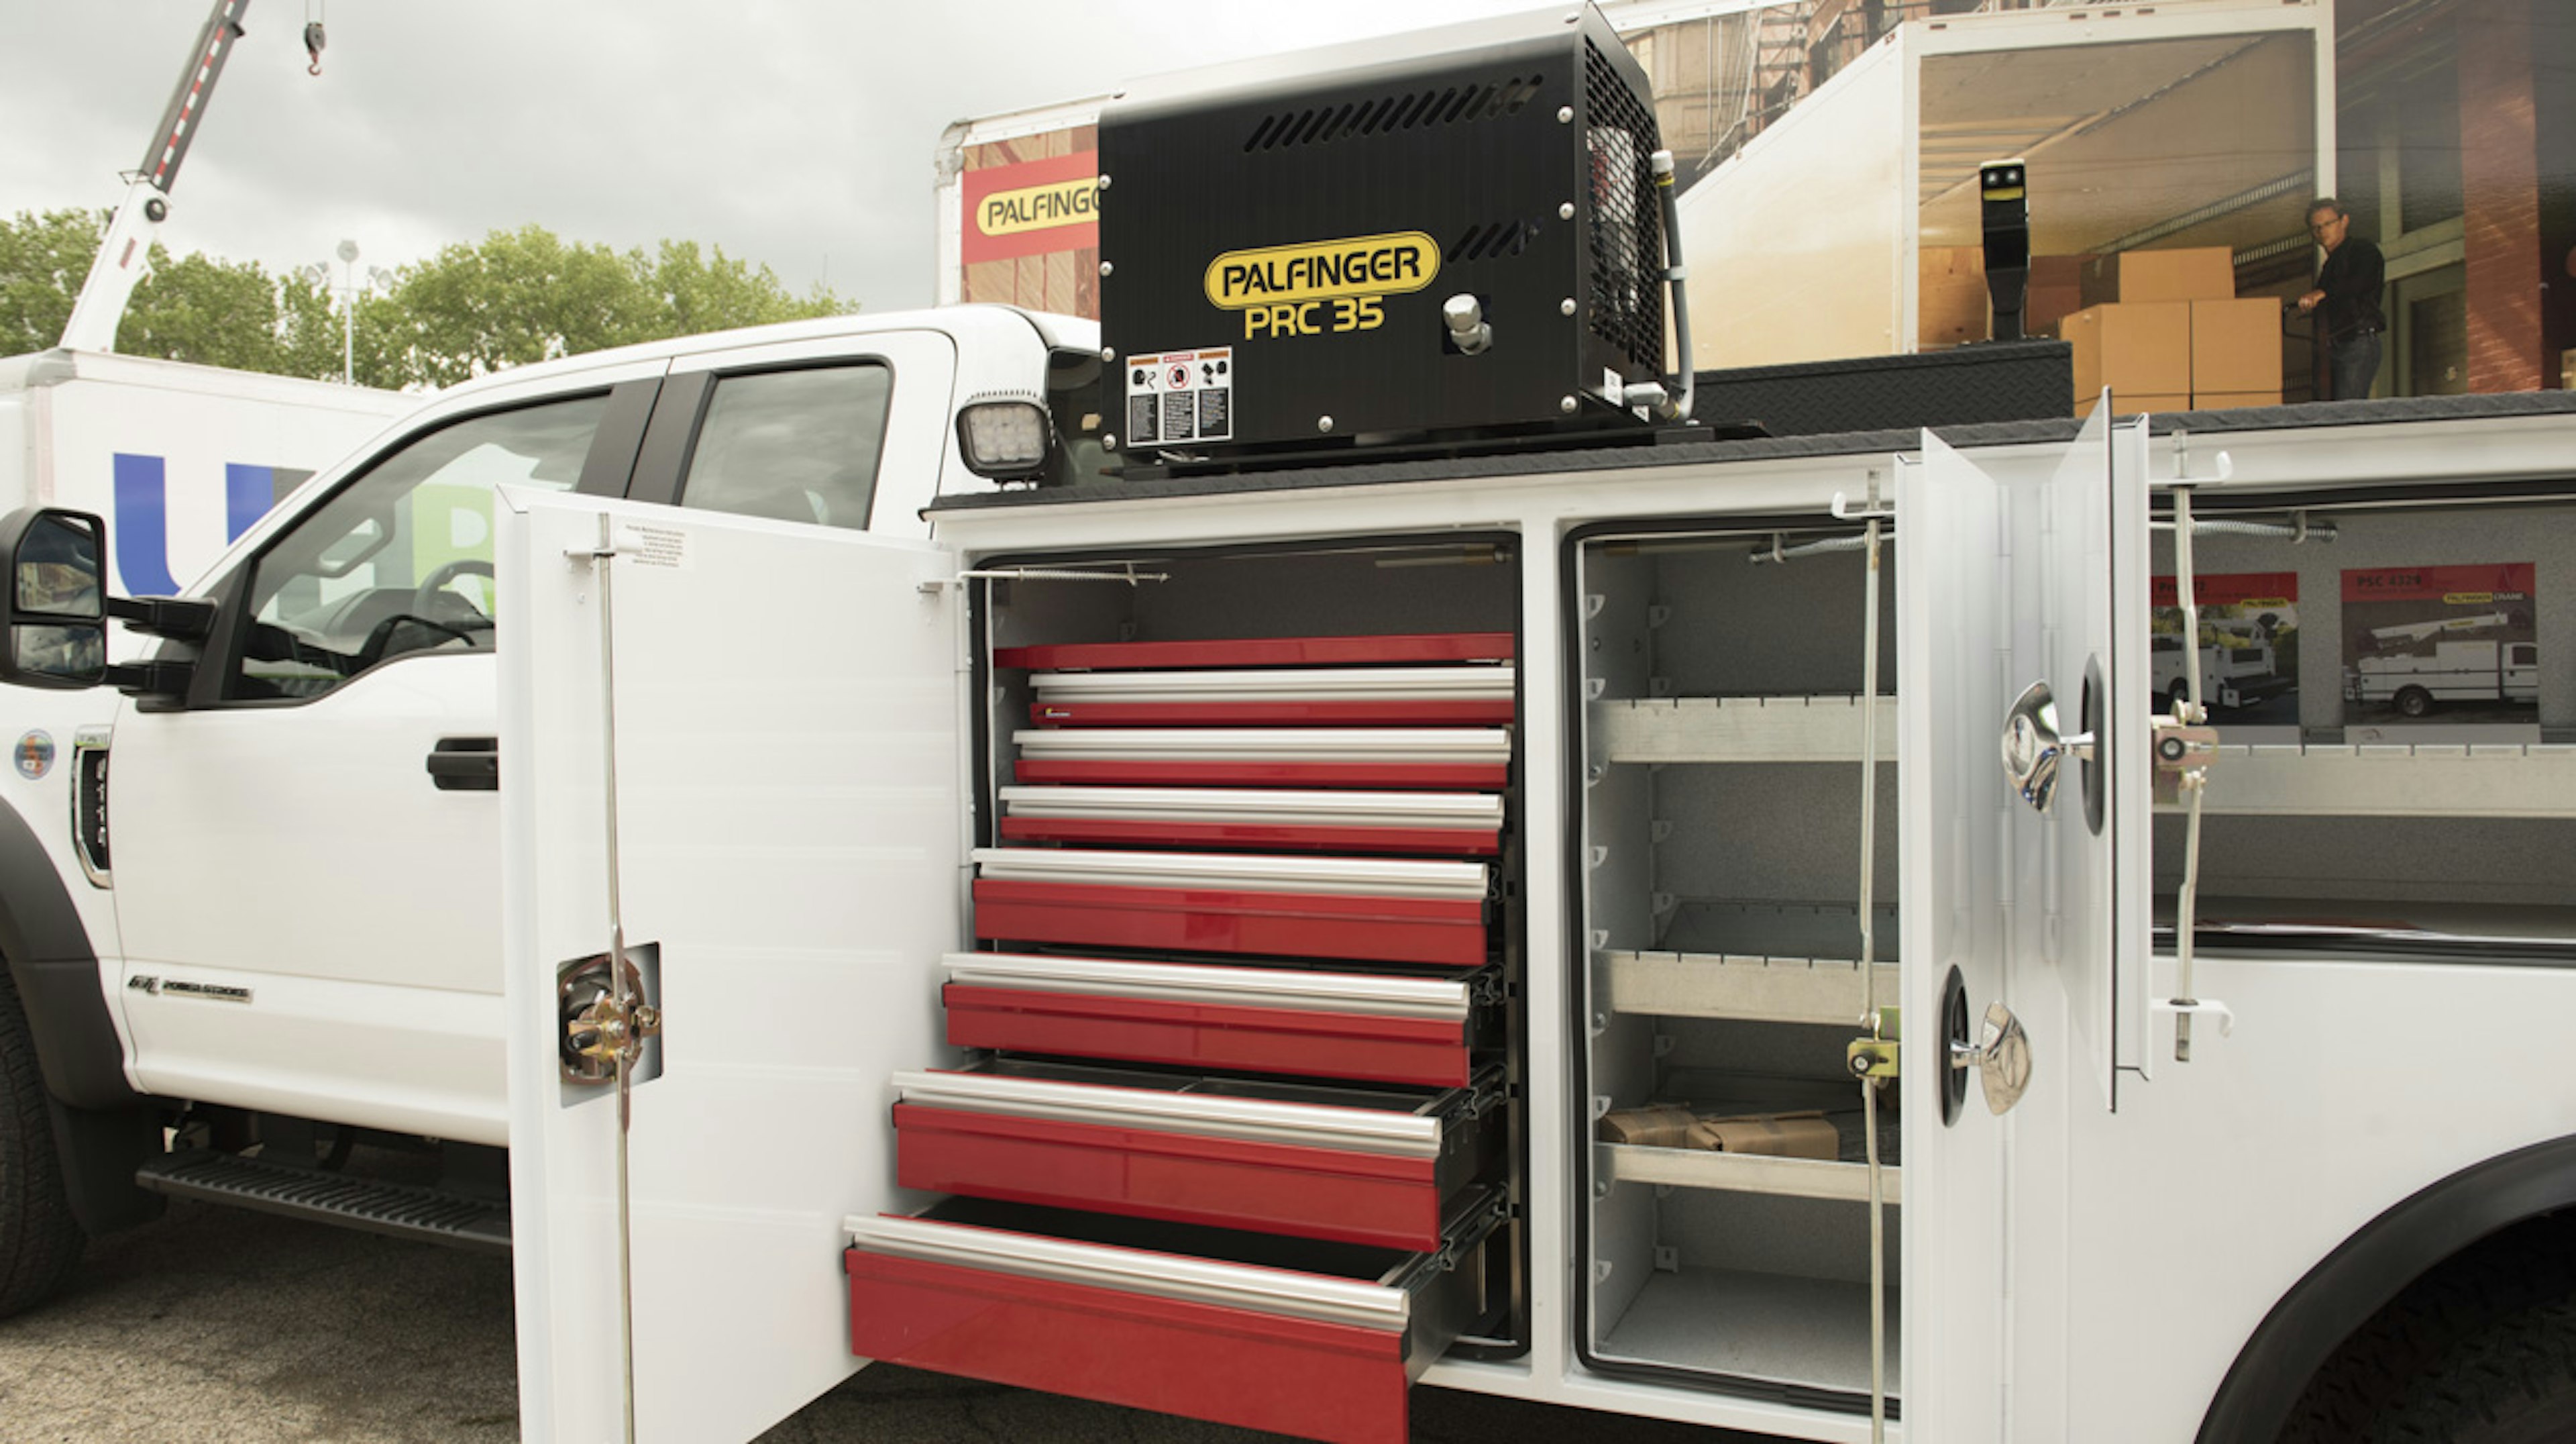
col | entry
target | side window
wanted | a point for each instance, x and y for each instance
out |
(400, 559)
(792, 445)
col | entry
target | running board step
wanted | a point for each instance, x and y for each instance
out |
(402, 1210)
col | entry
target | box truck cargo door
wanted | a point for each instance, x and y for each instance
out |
(733, 755)
(2030, 575)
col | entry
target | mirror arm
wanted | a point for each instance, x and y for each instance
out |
(180, 619)
(150, 679)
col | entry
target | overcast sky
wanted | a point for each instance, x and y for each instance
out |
(797, 134)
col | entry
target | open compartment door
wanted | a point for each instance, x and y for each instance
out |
(2010, 578)
(785, 709)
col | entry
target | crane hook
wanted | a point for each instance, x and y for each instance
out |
(314, 40)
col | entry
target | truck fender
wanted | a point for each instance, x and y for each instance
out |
(2369, 1269)
(56, 969)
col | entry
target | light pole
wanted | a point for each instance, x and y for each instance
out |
(349, 292)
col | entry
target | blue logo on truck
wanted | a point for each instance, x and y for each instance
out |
(142, 520)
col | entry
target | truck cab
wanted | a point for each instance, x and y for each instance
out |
(289, 926)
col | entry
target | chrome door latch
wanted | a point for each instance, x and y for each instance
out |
(2001, 1056)
(604, 1024)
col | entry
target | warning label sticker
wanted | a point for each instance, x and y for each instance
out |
(1180, 397)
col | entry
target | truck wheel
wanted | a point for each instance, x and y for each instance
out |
(2511, 1382)
(40, 1241)
(2414, 701)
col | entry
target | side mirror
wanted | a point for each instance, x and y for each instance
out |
(53, 612)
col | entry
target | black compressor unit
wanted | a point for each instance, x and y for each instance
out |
(1442, 236)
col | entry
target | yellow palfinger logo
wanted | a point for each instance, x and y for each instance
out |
(1323, 271)
(1038, 207)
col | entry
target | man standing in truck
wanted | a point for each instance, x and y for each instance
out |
(2347, 290)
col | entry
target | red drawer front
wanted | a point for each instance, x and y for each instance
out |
(1281, 712)
(1334, 1382)
(1216, 920)
(1390, 776)
(1125, 832)
(1321, 1193)
(1263, 652)
(1427, 1051)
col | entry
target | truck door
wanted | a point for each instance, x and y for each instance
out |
(736, 745)
(2036, 575)
(306, 853)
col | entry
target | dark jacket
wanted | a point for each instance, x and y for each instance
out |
(2351, 278)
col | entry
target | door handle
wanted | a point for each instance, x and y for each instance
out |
(466, 764)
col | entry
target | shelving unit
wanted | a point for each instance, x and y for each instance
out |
(1722, 736)
(2394, 780)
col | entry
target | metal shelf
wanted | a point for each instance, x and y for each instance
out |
(1739, 729)
(2394, 780)
(1741, 1324)
(1746, 1172)
(1743, 986)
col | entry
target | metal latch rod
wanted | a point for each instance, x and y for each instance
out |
(1130, 576)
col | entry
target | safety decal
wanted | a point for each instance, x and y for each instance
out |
(1180, 397)
(35, 755)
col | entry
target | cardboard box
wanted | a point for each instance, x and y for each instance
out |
(2236, 345)
(2142, 350)
(2232, 400)
(2044, 309)
(2124, 403)
(2184, 273)
(1657, 1125)
(1950, 296)
(1777, 1135)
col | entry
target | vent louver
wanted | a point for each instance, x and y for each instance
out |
(1451, 105)
(1627, 307)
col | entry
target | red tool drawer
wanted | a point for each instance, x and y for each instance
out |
(1461, 696)
(1377, 909)
(1401, 758)
(1318, 1340)
(1367, 1027)
(1443, 824)
(1351, 1165)
(1263, 652)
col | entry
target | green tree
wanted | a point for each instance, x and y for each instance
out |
(517, 297)
(43, 260)
(528, 295)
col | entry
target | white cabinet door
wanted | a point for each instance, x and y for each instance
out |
(785, 709)
(2035, 572)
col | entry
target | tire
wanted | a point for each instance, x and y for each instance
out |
(40, 1241)
(2512, 1382)
(2414, 702)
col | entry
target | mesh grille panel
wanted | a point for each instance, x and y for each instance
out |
(1451, 105)
(1627, 297)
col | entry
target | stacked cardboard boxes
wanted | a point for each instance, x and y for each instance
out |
(2165, 332)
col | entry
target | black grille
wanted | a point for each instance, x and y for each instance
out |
(1493, 240)
(1627, 307)
(1450, 105)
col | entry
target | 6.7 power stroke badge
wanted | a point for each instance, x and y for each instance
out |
(1321, 287)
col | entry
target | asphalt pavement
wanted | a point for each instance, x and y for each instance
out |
(216, 1323)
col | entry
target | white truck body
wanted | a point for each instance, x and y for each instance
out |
(767, 754)
(2230, 676)
(2470, 671)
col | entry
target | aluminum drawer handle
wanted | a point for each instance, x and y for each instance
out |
(1364, 1130)
(1173, 1276)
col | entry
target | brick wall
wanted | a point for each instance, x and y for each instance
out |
(2500, 181)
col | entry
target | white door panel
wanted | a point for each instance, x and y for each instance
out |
(787, 714)
(2028, 577)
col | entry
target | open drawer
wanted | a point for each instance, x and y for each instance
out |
(1473, 694)
(1366, 757)
(1444, 824)
(1369, 1027)
(1347, 1164)
(1380, 909)
(1319, 1340)
(1263, 652)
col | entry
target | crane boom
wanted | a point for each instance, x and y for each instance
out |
(128, 243)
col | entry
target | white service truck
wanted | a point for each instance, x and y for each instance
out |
(2470, 671)
(2232, 674)
(1204, 937)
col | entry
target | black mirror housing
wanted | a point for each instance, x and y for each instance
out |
(53, 607)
